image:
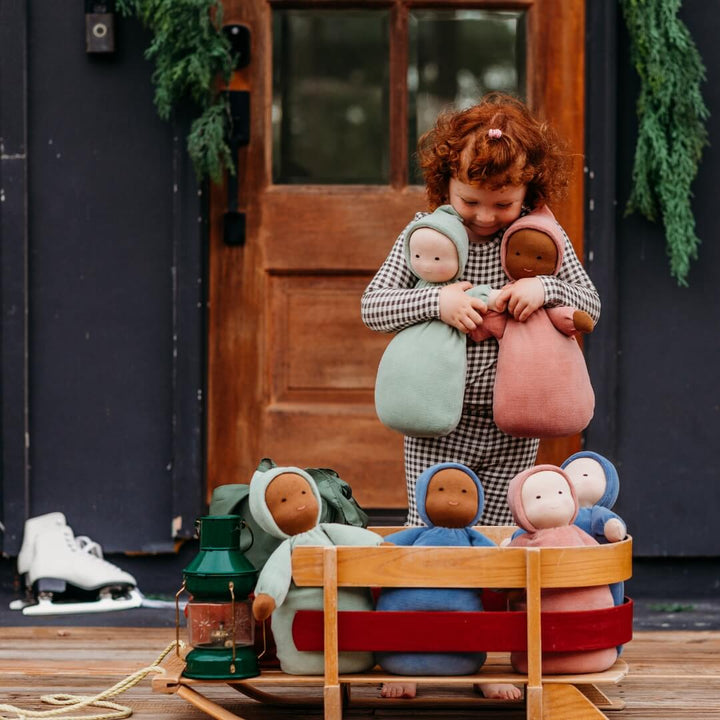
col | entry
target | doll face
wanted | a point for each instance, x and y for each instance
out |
(530, 253)
(588, 478)
(433, 256)
(292, 503)
(452, 499)
(547, 500)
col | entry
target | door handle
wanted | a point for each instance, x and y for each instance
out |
(235, 220)
(239, 135)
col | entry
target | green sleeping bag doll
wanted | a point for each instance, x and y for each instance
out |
(420, 381)
(286, 503)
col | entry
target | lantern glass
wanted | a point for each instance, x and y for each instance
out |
(211, 624)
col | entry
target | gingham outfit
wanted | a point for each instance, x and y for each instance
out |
(391, 302)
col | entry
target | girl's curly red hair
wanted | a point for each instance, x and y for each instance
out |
(527, 151)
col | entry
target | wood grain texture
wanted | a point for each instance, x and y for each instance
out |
(415, 566)
(469, 567)
(673, 676)
(580, 567)
(565, 702)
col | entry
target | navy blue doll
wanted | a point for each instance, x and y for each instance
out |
(597, 487)
(450, 501)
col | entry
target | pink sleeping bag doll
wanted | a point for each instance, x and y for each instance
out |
(543, 502)
(542, 387)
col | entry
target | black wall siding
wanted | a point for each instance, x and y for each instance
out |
(114, 298)
(601, 346)
(666, 359)
(13, 264)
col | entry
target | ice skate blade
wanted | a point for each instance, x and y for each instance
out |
(45, 606)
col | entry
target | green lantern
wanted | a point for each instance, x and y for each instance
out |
(221, 628)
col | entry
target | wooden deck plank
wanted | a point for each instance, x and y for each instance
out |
(673, 676)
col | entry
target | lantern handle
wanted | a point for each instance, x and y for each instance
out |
(231, 587)
(264, 650)
(177, 618)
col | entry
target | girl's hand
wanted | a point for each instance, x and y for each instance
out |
(521, 298)
(460, 310)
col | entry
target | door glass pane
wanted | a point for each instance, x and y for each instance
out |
(455, 57)
(330, 96)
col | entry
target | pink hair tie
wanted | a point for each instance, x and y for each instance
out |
(495, 133)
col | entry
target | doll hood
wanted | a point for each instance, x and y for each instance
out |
(543, 220)
(258, 506)
(423, 481)
(612, 482)
(446, 221)
(514, 495)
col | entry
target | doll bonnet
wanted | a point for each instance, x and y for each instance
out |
(514, 494)
(446, 221)
(542, 220)
(258, 505)
(421, 490)
(612, 483)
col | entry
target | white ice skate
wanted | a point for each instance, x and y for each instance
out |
(69, 575)
(33, 527)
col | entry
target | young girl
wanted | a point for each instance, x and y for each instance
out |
(492, 162)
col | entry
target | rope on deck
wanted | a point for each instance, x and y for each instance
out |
(73, 703)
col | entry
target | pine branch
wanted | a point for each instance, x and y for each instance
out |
(671, 124)
(207, 144)
(190, 53)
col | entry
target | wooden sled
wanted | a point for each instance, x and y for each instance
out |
(549, 697)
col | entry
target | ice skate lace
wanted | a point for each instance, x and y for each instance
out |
(72, 703)
(85, 544)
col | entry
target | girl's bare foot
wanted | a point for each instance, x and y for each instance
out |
(399, 690)
(499, 691)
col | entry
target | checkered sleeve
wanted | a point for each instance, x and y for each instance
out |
(571, 286)
(391, 302)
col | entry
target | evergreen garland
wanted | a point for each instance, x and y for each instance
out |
(671, 124)
(190, 53)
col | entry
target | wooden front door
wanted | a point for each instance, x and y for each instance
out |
(339, 93)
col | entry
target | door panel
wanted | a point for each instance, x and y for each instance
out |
(321, 370)
(335, 228)
(319, 350)
(361, 450)
(291, 367)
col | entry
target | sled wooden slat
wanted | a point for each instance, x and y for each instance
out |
(415, 567)
(596, 565)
